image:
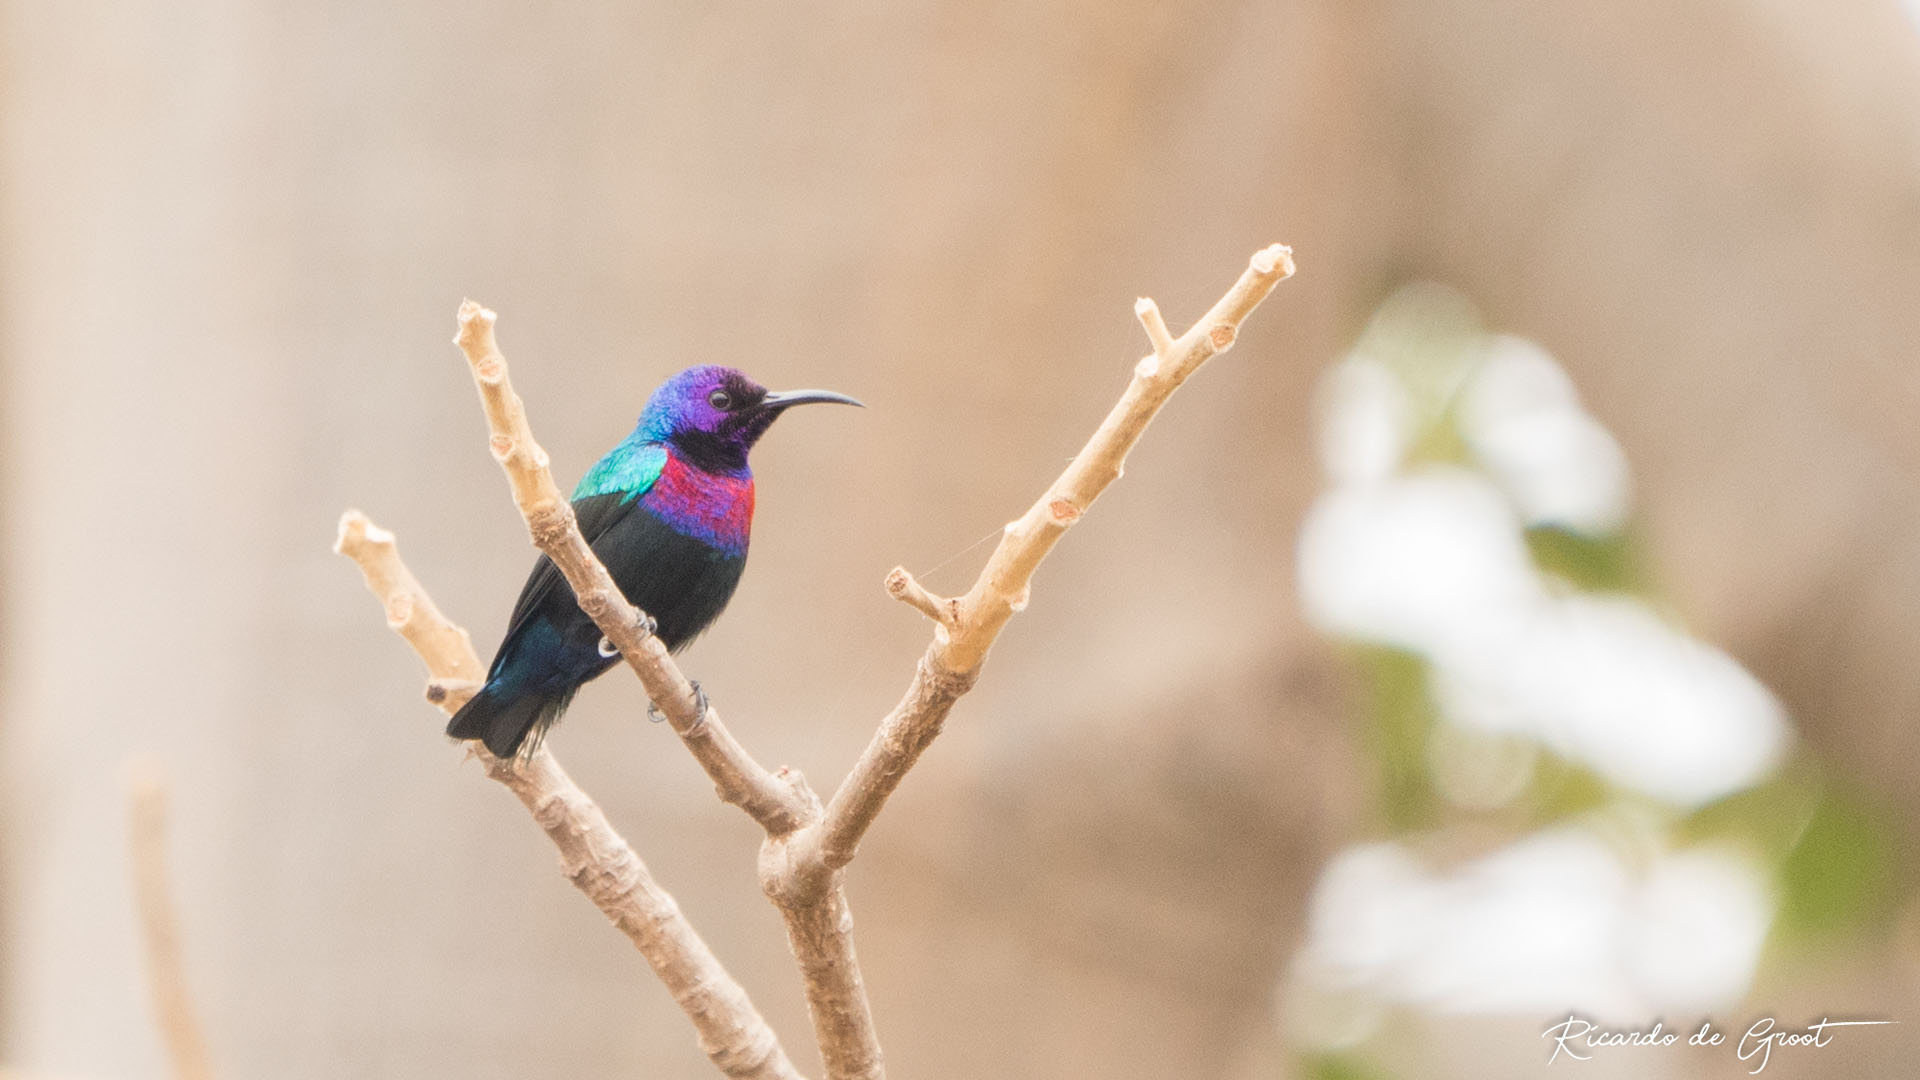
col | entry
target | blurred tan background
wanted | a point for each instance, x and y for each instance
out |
(234, 239)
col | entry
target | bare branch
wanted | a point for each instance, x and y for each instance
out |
(778, 804)
(594, 857)
(903, 734)
(160, 926)
(454, 672)
(960, 644)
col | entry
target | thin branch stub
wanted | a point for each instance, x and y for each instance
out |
(903, 587)
(1149, 314)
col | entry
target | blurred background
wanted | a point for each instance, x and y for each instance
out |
(1518, 623)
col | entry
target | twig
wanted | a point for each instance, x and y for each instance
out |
(593, 856)
(903, 587)
(160, 926)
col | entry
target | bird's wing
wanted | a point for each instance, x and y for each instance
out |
(608, 493)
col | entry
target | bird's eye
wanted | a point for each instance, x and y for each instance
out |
(721, 400)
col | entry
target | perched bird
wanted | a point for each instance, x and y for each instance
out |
(667, 511)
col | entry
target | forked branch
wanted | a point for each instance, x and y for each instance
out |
(807, 846)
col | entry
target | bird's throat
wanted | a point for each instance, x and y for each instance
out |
(715, 508)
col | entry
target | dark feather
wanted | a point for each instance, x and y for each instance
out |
(595, 514)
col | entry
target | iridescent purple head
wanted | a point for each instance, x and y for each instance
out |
(713, 415)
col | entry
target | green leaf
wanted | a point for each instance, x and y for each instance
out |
(1562, 789)
(1839, 875)
(1771, 816)
(1609, 562)
(1401, 717)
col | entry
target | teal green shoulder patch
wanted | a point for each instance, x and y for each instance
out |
(629, 469)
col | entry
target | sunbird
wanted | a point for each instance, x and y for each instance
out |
(668, 511)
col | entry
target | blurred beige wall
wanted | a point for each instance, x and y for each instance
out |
(235, 238)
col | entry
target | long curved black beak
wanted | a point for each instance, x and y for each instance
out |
(787, 398)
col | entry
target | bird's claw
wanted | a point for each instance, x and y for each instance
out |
(609, 650)
(700, 704)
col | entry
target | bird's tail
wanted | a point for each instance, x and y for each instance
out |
(503, 720)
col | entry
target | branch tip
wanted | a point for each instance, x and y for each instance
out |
(475, 339)
(1273, 257)
(902, 587)
(357, 529)
(1148, 313)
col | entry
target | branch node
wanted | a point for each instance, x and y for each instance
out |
(441, 691)
(476, 324)
(399, 610)
(549, 524)
(596, 603)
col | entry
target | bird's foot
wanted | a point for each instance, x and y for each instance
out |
(700, 704)
(609, 650)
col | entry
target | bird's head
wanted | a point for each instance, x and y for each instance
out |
(713, 415)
